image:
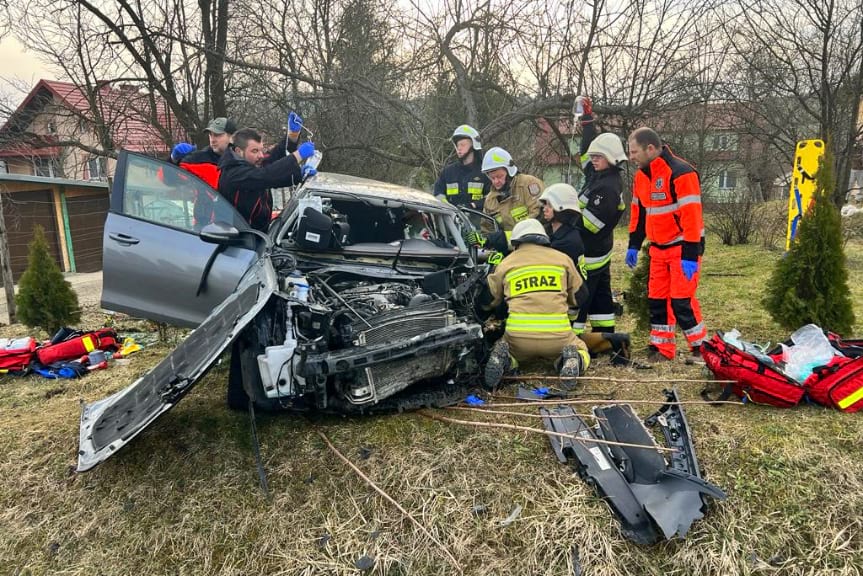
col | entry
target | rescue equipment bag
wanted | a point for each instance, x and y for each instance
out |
(754, 380)
(16, 354)
(77, 344)
(838, 385)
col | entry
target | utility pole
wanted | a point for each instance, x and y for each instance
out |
(6, 265)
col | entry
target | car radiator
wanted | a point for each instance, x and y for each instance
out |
(404, 323)
(385, 379)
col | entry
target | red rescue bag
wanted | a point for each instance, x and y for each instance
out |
(78, 344)
(754, 380)
(16, 354)
(838, 385)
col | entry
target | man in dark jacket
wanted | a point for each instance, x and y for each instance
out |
(248, 173)
(463, 182)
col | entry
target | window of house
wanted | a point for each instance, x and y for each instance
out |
(4, 169)
(724, 142)
(97, 168)
(45, 167)
(727, 180)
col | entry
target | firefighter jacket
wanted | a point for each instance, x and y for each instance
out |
(522, 202)
(601, 203)
(539, 285)
(666, 206)
(464, 184)
(247, 187)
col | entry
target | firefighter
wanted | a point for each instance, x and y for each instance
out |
(602, 206)
(463, 182)
(666, 209)
(561, 212)
(513, 198)
(539, 284)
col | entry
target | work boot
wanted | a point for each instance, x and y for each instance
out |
(655, 356)
(570, 369)
(695, 358)
(499, 363)
(620, 352)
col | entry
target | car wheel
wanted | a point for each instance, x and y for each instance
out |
(237, 397)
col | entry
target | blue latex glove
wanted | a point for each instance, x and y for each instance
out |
(295, 123)
(180, 150)
(306, 150)
(541, 392)
(474, 400)
(689, 268)
(308, 172)
(632, 257)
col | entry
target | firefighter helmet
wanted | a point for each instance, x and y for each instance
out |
(465, 131)
(608, 145)
(498, 158)
(561, 197)
(530, 231)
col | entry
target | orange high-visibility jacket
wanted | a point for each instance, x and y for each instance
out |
(666, 206)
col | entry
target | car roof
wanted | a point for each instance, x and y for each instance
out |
(333, 182)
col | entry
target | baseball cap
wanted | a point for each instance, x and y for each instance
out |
(221, 125)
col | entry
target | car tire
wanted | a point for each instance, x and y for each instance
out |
(237, 397)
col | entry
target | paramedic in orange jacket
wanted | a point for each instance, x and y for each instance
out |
(666, 209)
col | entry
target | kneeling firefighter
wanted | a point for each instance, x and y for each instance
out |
(561, 211)
(539, 285)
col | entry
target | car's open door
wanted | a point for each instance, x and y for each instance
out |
(109, 424)
(155, 264)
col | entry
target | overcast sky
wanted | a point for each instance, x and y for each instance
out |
(17, 65)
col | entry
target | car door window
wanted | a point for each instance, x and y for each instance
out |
(164, 194)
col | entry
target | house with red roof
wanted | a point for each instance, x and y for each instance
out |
(61, 130)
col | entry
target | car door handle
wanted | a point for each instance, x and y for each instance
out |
(123, 238)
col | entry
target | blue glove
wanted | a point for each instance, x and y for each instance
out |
(306, 150)
(308, 172)
(632, 257)
(180, 150)
(295, 123)
(689, 268)
(474, 400)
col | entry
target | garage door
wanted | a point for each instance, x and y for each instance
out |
(86, 223)
(22, 211)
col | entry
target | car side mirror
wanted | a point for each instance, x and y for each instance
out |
(220, 233)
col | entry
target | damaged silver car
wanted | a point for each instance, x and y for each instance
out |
(361, 297)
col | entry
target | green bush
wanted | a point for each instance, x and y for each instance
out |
(810, 284)
(636, 297)
(45, 300)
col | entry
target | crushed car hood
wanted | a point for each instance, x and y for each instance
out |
(109, 424)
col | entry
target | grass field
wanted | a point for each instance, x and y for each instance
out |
(184, 498)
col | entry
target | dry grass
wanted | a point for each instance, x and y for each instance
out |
(184, 498)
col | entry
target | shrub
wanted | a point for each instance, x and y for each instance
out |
(771, 224)
(45, 300)
(734, 221)
(810, 284)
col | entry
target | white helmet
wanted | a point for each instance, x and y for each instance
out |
(465, 131)
(498, 158)
(610, 146)
(561, 197)
(530, 231)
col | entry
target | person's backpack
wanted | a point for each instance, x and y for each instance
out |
(73, 345)
(754, 379)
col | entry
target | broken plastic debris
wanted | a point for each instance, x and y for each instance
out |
(516, 512)
(365, 563)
